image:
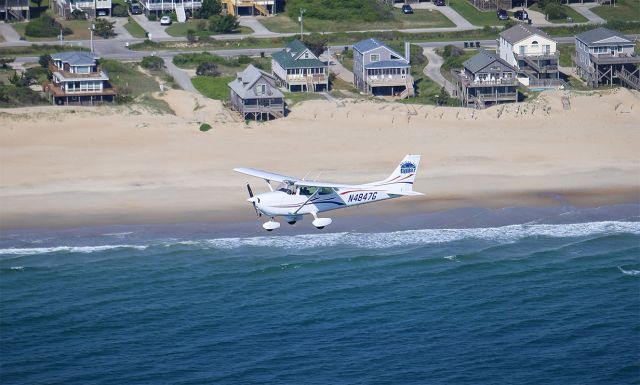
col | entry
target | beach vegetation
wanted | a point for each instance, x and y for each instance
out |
(293, 98)
(128, 80)
(317, 43)
(44, 60)
(14, 87)
(225, 66)
(209, 8)
(204, 127)
(367, 10)
(38, 49)
(622, 11)
(154, 105)
(453, 57)
(153, 63)
(207, 69)
(200, 29)
(119, 10)
(6, 60)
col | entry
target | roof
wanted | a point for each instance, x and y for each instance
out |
(287, 57)
(369, 44)
(76, 58)
(245, 80)
(481, 60)
(596, 36)
(520, 32)
(388, 64)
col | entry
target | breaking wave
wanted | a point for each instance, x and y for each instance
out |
(505, 234)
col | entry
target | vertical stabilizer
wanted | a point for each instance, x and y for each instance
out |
(401, 179)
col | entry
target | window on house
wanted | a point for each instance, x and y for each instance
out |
(521, 50)
(394, 57)
(306, 55)
(375, 57)
(261, 89)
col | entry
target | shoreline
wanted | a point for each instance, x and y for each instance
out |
(95, 166)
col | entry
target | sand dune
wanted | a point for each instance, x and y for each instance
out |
(76, 166)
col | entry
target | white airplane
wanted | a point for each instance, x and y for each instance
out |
(294, 197)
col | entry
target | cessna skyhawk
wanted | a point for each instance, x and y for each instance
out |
(294, 197)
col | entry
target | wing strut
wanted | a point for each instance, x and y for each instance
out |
(307, 201)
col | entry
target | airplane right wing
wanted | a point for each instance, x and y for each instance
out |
(268, 176)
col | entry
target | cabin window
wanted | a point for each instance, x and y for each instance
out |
(306, 55)
(261, 89)
(521, 50)
(394, 57)
(375, 57)
(325, 191)
(546, 48)
(304, 190)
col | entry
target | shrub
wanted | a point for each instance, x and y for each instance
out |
(204, 127)
(45, 26)
(104, 28)
(207, 69)
(119, 10)
(209, 8)
(154, 63)
(452, 51)
(77, 15)
(201, 26)
(152, 17)
(36, 75)
(223, 23)
(14, 96)
(191, 36)
(555, 11)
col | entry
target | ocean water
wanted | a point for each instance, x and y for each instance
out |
(518, 304)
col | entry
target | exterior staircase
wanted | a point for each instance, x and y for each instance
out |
(182, 16)
(261, 8)
(230, 6)
(628, 78)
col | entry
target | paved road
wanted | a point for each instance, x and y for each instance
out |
(585, 10)
(179, 75)
(336, 67)
(432, 70)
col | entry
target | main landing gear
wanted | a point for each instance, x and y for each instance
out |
(319, 223)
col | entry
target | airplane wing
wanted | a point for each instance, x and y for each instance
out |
(269, 176)
(309, 183)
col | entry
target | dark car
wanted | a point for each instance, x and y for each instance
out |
(440, 3)
(521, 15)
(135, 9)
(406, 9)
(502, 14)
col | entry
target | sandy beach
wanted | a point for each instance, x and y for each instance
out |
(80, 166)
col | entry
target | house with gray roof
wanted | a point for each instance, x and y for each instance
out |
(90, 8)
(298, 69)
(379, 70)
(77, 78)
(533, 53)
(485, 80)
(254, 94)
(606, 57)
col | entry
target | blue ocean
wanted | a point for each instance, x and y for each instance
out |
(516, 304)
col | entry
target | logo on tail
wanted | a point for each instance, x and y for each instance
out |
(407, 168)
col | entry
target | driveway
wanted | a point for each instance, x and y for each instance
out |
(10, 35)
(432, 70)
(180, 76)
(585, 10)
(118, 28)
(153, 27)
(337, 68)
(448, 12)
(253, 22)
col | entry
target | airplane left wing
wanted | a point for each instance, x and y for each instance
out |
(308, 183)
(268, 176)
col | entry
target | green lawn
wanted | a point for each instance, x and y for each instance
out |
(572, 13)
(213, 87)
(134, 28)
(180, 29)
(80, 30)
(623, 10)
(293, 98)
(566, 51)
(474, 16)
(127, 79)
(421, 18)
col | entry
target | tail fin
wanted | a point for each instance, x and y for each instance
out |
(401, 179)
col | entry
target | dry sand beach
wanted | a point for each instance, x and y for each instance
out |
(78, 166)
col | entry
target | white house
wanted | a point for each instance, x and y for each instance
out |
(533, 53)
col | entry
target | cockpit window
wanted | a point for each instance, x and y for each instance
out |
(304, 190)
(325, 191)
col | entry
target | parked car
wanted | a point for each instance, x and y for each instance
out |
(406, 9)
(440, 3)
(135, 9)
(502, 14)
(165, 20)
(102, 12)
(521, 15)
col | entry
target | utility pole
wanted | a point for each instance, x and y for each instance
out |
(302, 11)
(91, 29)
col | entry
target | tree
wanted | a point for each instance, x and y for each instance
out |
(223, 23)
(210, 8)
(104, 28)
(317, 43)
(154, 63)
(207, 69)
(43, 60)
(6, 60)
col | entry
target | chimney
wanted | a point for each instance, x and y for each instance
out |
(407, 51)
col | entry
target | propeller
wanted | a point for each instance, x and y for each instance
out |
(253, 202)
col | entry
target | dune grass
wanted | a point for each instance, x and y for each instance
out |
(213, 87)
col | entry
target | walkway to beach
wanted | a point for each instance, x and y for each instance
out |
(432, 70)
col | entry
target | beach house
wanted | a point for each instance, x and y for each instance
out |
(14, 10)
(182, 8)
(606, 57)
(91, 8)
(254, 94)
(485, 80)
(251, 7)
(533, 53)
(298, 69)
(379, 70)
(78, 79)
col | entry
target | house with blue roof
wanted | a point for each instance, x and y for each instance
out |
(485, 80)
(379, 70)
(77, 78)
(298, 69)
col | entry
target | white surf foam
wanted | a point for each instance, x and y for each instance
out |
(629, 272)
(67, 249)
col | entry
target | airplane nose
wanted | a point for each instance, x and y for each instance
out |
(253, 200)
